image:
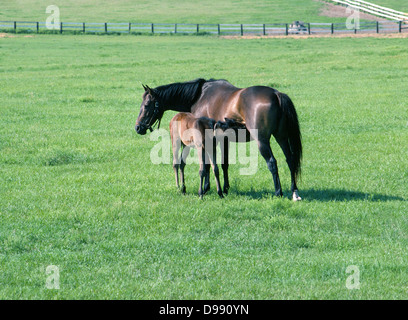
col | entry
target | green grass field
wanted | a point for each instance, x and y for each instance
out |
(166, 11)
(182, 11)
(78, 190)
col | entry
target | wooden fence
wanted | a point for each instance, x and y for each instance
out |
(219, 29)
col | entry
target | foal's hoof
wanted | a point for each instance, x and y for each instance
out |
(296, 196)
(225, 190)
(220, 194)
(183, 190)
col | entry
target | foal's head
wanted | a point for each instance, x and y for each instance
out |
(229, 124)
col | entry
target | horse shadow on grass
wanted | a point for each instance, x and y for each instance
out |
(324, 195)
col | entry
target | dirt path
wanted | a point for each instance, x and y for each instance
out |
(337, 11)
(339, 35)
(9, 35)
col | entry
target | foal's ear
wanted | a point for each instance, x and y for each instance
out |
(212, 123)
(229, 121)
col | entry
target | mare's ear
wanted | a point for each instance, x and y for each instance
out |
(150, 91)
(147, 88)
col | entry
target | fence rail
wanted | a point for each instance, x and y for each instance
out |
(219, 29)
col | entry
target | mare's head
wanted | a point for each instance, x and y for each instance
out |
(150, 112)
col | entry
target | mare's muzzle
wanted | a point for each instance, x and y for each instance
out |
(141, 129)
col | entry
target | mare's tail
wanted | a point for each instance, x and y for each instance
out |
(295, 137)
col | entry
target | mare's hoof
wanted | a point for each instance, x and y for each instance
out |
(296, 196)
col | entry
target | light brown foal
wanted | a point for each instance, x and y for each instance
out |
(188, 132)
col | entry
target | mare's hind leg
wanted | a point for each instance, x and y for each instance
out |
(284, 144)
(266, 152)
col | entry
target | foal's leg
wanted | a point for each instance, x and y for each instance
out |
(176, 160)
(266, 152)
(184, 154)
(284, 144)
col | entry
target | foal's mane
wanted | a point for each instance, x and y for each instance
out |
(180, 94)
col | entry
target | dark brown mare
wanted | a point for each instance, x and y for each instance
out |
(187, 131)
(264, 110)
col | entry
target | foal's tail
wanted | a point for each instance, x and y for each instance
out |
(295, 137)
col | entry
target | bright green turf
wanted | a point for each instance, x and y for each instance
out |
(77, 188)
(169, 11)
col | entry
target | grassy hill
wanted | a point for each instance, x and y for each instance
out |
(169, 11)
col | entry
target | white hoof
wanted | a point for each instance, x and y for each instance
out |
(296, 196)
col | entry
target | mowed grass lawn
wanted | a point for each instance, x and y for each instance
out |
(78, 189)
(169, 11)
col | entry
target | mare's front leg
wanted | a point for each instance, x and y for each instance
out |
(202, 172)
(207, 175)
(225, 163)
(213, 157)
